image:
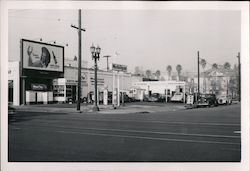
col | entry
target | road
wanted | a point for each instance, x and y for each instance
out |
(204, 134)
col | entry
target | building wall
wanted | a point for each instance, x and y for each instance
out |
(105, 79)
(14, 75)
(215, 82)
(159, 86)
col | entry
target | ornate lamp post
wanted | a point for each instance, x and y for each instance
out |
(95, 51)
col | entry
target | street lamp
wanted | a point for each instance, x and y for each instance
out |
(95, 51)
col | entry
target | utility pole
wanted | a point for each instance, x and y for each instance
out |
(79, 57)
(107, 56)
(239, 77)
(198, 94)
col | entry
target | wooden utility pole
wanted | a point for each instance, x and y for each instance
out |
(239, 77)
(79, 57)
(198, 75)
(107, 56)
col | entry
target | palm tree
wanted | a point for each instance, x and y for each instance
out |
(227, 66)
(178, 69)
(203, 64)
(148, 73)
(158, 74)
(169, 69)
(215, 80)
(215, 66)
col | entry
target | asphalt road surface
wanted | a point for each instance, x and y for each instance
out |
(204, 134)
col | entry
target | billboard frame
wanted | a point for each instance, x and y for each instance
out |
(38, 70)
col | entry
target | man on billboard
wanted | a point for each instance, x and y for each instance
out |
(44, 59)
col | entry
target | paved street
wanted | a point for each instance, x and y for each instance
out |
(204, 134)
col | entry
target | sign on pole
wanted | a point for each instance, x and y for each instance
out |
(119, 67)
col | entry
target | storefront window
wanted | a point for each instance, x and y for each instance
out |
(58, 90)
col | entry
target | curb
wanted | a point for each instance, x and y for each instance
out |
(103, 109)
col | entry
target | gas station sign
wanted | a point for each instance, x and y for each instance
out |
(119, 67)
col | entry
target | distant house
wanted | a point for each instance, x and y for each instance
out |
(218, 81)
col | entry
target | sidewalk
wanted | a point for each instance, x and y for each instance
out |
(104, 109)
(143, 109)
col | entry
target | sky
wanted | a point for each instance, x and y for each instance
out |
(151, 39)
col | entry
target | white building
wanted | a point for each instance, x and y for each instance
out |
(168, 88)
(218, 81)
(50, 89)
(14, 83)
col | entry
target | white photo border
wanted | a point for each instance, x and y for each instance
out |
(122, 5)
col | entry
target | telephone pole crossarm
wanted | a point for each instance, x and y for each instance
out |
(83, 29)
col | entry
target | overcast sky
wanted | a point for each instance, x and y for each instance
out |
(149, 38)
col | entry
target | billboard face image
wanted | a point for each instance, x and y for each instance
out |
(41, 56)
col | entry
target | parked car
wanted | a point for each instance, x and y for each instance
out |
(207, 100)
(127, 99)
(178, 97)
(152, 99)
(161, 98)
(224, 99)
(155, 97)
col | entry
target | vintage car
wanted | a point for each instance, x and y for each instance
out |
(207, 100)
(224, 99)
(155, 97)
(178, 97)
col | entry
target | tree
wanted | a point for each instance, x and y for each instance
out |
(178, 69)
(227, 66)
(203, 63)
(232, 87)
(235, 68)
(158, 74)
(148, 73)
(138, 71)
(162, 78)
(169, 69)
(215, 66)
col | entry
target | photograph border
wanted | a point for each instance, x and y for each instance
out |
(126, 5)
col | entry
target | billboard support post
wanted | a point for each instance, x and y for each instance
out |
(23, 90)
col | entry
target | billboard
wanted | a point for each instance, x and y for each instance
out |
(42, 56)
(119, 67)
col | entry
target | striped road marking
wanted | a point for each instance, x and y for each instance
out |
(139, 131)
(237, 132)
(149, 138)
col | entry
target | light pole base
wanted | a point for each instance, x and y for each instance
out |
(96, 108)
